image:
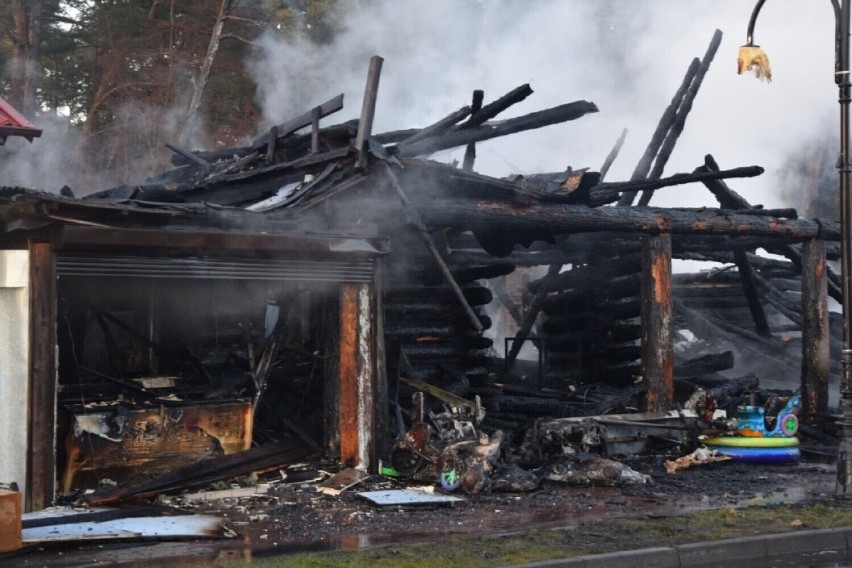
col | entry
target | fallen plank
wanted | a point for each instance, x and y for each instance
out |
(201, 473)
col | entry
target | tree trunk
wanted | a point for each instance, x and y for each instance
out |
(26, 15)
(204, 73)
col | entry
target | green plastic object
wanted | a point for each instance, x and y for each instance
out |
(389, 471)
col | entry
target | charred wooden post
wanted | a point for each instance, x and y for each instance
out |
(315, 130)
(470, 151)
(272, 143)
(816, 335)
(657, 349)
(41, 466)
(382, 437)
(368, 110)
(357, 386)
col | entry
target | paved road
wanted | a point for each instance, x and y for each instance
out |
(814, 549)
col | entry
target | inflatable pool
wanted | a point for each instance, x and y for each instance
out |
(760, 455)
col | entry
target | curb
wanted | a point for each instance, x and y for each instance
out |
(832, 545)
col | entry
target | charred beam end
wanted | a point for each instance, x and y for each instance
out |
(555, 115)
(492, 109)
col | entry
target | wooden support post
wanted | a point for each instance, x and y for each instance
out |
(368, 110)
(315, 118)
(270, 145)
(657, 350)
(816, 335)
(383, 441)
(42, 380)
(357, 384)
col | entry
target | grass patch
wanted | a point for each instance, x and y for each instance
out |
(587, 538)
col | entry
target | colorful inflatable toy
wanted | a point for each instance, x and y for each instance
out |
(760, 438)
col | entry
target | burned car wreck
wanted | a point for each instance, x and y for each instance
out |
(325, 295)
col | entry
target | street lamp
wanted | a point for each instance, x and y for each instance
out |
(752, 58)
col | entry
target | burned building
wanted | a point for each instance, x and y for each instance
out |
(284, 299)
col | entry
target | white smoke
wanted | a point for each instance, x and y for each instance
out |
(627, 57)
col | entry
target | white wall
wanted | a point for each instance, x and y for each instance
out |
(14, 364)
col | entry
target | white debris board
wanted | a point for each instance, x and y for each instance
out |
(393, 497)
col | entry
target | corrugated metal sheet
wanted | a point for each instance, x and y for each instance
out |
(108, 265)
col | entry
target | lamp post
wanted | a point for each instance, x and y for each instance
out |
(751, 57)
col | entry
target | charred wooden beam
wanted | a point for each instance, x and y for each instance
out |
(469, 273)
(197, 160)
(560, 218)
(608, 192)
(492, 109)
(710, 363)
(439, 295)
(588, 275)
(613, 154)
(198, 474)
(286, 128)
(462, 137)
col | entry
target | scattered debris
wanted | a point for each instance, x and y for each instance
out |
(592, 470)
(342, 481)
(702, 455)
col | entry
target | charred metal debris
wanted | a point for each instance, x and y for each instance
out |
(329, 295)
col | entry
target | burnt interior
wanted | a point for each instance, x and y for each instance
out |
(140, 343)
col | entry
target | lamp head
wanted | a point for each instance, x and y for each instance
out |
(752, 58)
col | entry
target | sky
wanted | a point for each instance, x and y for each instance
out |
(628, 57)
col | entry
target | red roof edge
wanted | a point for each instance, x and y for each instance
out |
(13, 123)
